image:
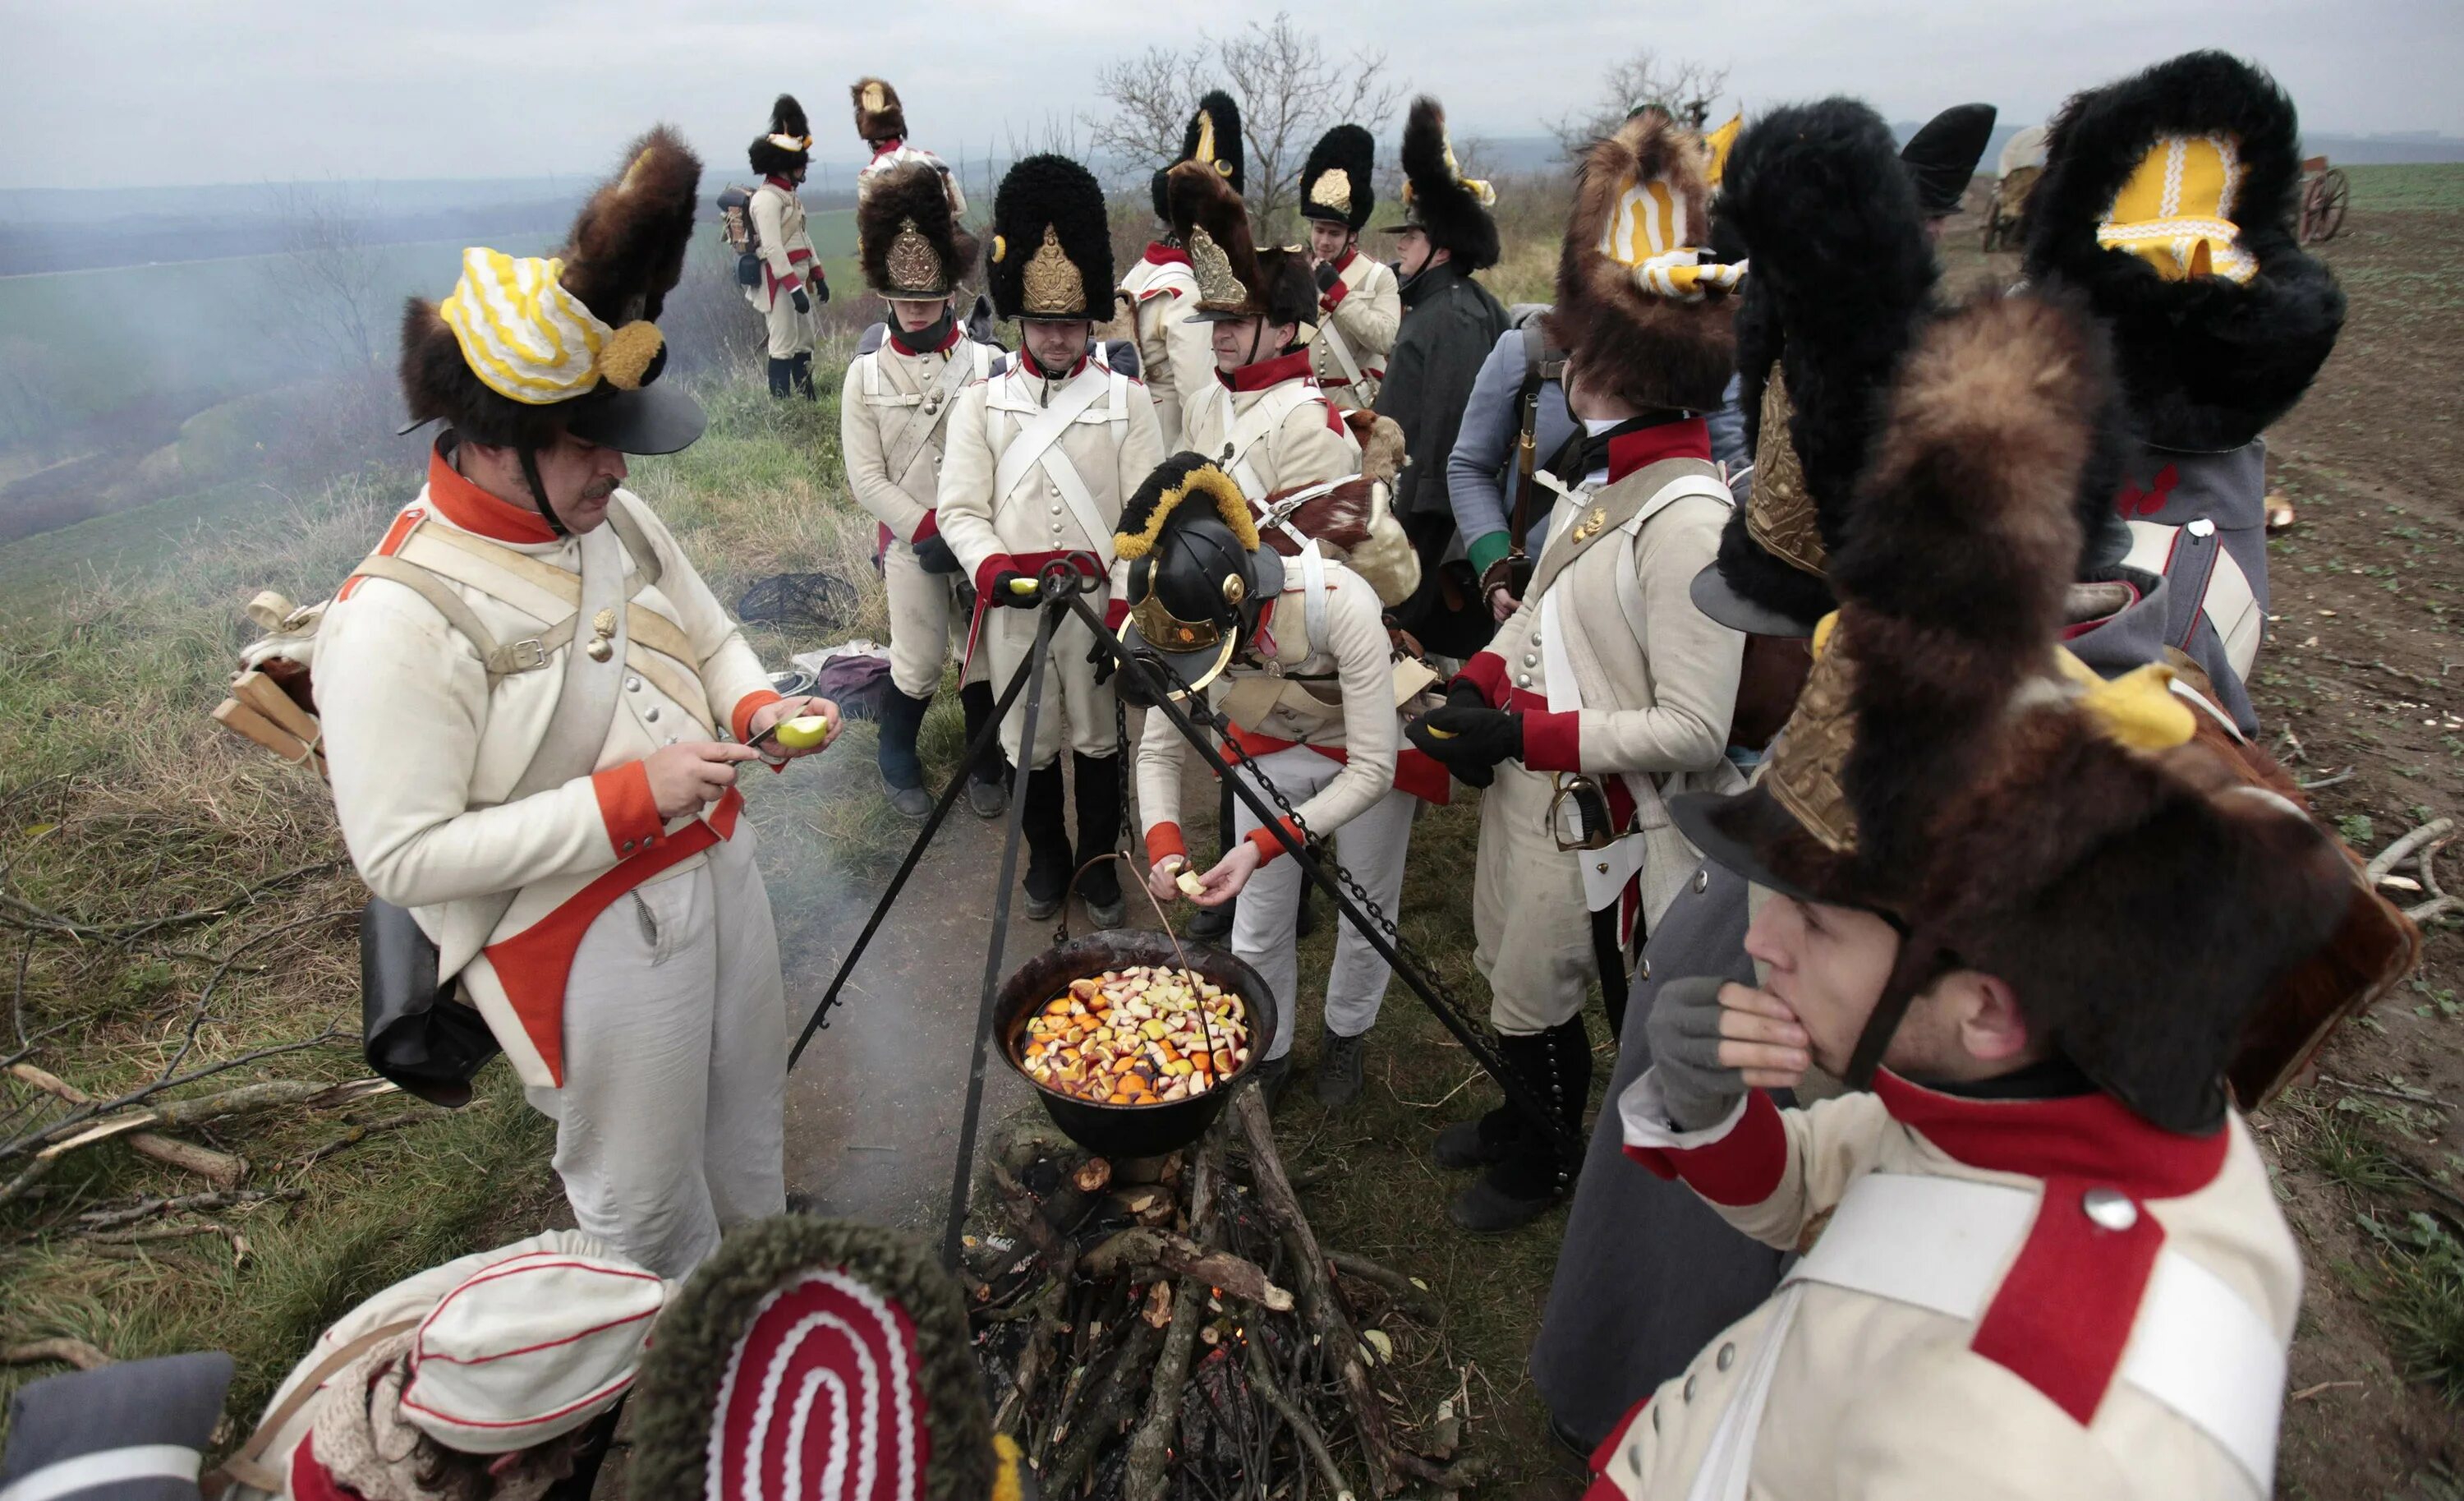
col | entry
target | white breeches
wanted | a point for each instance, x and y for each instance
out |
(1070, 691)
(1372, 847)
(926, 628)
(1531, 926)
(671, 1123)
(791, 333)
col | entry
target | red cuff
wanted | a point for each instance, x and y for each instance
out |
(1114, 612)
(1336, 293)
(796, 256)
(1486, 671)
(627, 809)
(1742, 1168)
(746, 707)
(1552, 741)
(1606, 1454)
(926, 529)
(993, 568)
(1268, 846)
(1164, 841)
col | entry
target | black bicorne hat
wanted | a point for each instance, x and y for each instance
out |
(1941, 156)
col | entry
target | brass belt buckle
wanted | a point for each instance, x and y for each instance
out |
(1580, 804)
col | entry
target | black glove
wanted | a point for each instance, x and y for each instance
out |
(1461, 695)
(803, 303)
(1327, 275)
(1464, 736)
(1684, 1031)
(1100, 657)
(821, 288)
(935, 556)
(1003, 594)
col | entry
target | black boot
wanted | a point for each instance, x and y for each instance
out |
(988, 783)
(1214, 925)
(802, 374)
(1481, 1141)
(1099, 833)
(781, 372)
(1047, 824)
(1533, 1174)
(902, 770)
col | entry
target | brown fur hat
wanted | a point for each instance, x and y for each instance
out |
(1208, 218)
(2139, 895)
(1653, 351)
(905, 238)
(624, 254)
(878, 115)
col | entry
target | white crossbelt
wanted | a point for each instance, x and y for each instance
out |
(1342, 351)
(2225, 595)
(1943, 1243)
(1038, 441)
(122, 1467)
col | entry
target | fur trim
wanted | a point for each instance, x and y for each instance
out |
(1199, 198)
(1230, 155)
(886, 123)
(1381, 443)
(1655, 351)
(1438, 202)
(1352, 153)
(1173, 483)
(916, 194)
(1054, 193)
(675, 1399)
(786, 118)
(2206, 364)
(1354, 523)
(1843, 277)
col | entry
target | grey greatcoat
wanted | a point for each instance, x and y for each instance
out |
(1450, 324)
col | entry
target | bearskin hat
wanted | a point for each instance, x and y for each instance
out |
(1051, 253)
(789, 144)
(1842, 278)
(2209, 359)
(1639, 198)
(1336, 180)
(1438, 200)
(1941, 156)
(2142, 897)
(623, 256)
(878, 115)
(905, 238)
(1209, 220)
(1212, 138)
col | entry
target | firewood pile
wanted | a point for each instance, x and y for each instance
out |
(1170, 1329)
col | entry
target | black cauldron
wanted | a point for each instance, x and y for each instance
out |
(1129, 1131)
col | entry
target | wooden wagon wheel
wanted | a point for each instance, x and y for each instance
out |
(2327, 197)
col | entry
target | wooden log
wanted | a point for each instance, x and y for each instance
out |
(1028, 1215)
(1142, 1475)
(241, 719)
(1413, 1299)
(261, 694)
(1178, 1257)
(1262, 1381)
(1108, 1407)
(220, 1168)
(1039, 1342)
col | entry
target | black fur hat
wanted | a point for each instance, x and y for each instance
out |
(1941, 156)
(905, 236)
(1842, 279)
(1051, 253)
(1437, 199)
(1336, 180)
(2207, 363)
(775, 154)
(1212, 137)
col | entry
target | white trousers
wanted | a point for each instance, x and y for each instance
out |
(1070, 691)
(790, 332)
(1372, 846)
(1531, 925)
(926, 628)
(672, 1121)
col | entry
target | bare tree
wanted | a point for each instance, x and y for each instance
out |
(326, 275)
(1642, 77)
(1290, 88)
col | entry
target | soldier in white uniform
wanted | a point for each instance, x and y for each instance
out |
(1262, 419)
(791, 274)
(1360, 302)
(893, 415)
(2021, 906)
(1294, 651)
(546, 781)
(1039, 459)
(1175, 356)
(1607, 687)
(881, 125)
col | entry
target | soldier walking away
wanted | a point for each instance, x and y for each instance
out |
(1941, 157)
(1607, 691)
(791, 274)
(1358, 304)
(1262, 418)
(881, 125)
(893, 413)
(1173, 352)
(1294, 651)
(559, 813)
(1039, 459)
(1450, 323)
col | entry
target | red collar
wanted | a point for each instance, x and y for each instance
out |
(898, 337)
(781, 184)
(1628, 452)
(474, 510)
(1158, 253)
(1027, 367)
(884, 148)
(2091, 1137)
(1293, 367)
(1350, 254)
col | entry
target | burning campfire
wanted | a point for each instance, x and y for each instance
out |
(1171, 1327)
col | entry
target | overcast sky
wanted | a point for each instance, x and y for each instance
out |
(136, 92)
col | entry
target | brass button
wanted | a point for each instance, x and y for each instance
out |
(1727, 1357)
(1646, 970)
(1602, 868)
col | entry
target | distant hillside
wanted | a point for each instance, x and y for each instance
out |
(2405, 149)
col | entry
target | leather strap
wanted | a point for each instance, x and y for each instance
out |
(243, 1467)
(929, 415)
(1613, 507)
